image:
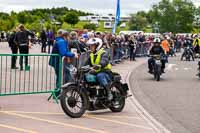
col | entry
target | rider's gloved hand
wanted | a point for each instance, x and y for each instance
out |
(92, 71)
(96, 67)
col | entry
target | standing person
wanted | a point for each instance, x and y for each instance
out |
(82, 44)
(43, 40)
(165, 44)
(73, 42)
(60, 47)
(132, 46)
(2, 36)
(14, 48)
(22, 40)
(50, 36)
(141, 42)
(196, 44)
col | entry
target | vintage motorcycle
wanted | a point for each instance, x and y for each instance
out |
(157, 67)
(188, 52)
(85, 93)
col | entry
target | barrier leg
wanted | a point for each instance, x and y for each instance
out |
(50, 97)
(54, 97)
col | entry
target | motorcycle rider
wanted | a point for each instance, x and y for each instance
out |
(156, 50)
(196, 44)
(99, 60)
(188, 43)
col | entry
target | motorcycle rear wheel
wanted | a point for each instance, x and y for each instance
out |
(118, 101)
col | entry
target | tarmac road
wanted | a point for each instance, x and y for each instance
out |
(174, 101)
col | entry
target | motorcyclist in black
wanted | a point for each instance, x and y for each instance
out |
(156, 50)
(188, 43)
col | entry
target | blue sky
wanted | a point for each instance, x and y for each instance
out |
(95, 6)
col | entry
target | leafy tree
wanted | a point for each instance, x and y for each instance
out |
(5, 25)
(137, 22)
(4, 15)
(90, 26)
(22, 18)
(173, 16)
(184, 15)
(71, 18)
(31, 18)
(196, 22)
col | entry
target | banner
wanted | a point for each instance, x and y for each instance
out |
(117, 17)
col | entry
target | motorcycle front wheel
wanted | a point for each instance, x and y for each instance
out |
(157, 76)
(73, 102)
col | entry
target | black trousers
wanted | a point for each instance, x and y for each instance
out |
(23, 50)
(56, 68)
(43, 46)
(14, 50)
(132, 54)
(197, 49)
(50, 44)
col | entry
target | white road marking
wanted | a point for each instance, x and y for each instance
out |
(170, 67)
(187, 68)
(176, 68)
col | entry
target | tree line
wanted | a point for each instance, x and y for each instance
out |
(177, 16)
(37, 18)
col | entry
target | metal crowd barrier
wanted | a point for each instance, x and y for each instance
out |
(40, 78)
(141, 49)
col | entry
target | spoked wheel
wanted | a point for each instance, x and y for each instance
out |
(118, 101)
(73, 102)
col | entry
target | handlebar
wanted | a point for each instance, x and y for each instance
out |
(86, 68)
(90, 69)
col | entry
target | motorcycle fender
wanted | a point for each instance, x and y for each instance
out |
(158, 67)
(68, 84)
(73, 83)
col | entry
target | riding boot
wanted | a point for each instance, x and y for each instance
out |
(110, 95)
(27, 68)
